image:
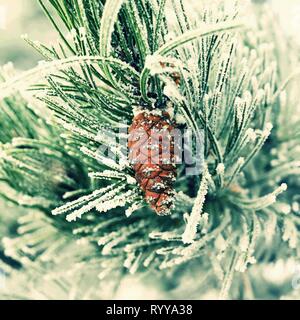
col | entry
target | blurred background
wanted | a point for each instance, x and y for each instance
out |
(19, 17)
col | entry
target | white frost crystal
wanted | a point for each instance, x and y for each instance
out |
(220, 168)
(194, 218)
(290, 233)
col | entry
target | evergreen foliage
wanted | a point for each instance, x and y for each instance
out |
(85, 223)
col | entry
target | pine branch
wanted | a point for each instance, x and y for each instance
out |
(104, 73)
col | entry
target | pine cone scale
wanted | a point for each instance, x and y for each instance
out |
(151, 151)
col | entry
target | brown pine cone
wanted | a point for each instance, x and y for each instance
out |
(151, 152)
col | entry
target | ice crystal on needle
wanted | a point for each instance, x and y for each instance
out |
(194, 218)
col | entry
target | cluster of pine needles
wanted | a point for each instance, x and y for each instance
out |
(76, 221)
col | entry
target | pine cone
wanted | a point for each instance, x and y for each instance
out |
(151, 152)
